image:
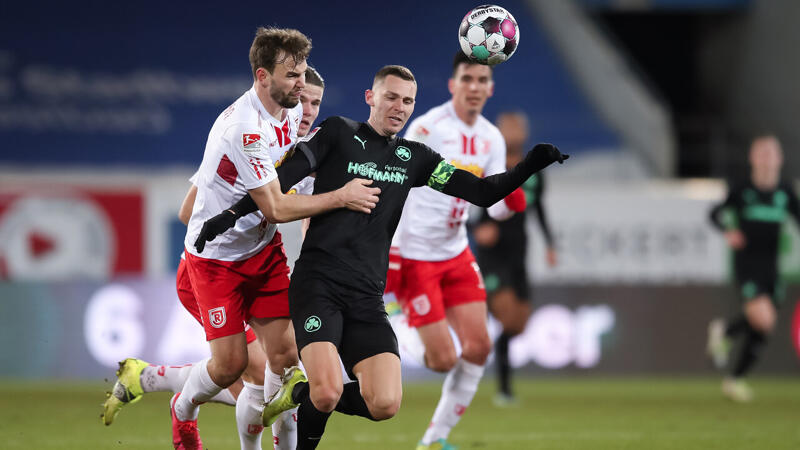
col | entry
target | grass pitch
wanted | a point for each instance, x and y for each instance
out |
(569, 413)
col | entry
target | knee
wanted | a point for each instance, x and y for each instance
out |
(226, 371)
(441, 360)
(283, 357)
(325, 398)
(477, 351)
(383, 405)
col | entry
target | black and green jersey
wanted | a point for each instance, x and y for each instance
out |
(353, 247)
(759, 215)
(512, 240)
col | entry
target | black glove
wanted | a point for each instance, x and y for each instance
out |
(542, 155)
(215, 226)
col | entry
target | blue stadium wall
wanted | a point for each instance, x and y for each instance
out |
(140, 83)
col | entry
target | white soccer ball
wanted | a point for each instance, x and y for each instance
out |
(488, 34)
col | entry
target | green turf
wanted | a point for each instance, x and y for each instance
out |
(572, 413)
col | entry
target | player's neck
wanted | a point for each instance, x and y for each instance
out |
(764, 181)
(467, 116)
(376, 129)
(273, 108)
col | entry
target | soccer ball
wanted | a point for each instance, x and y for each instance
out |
(488, 34)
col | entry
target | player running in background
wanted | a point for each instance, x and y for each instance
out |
(757, 210)
(337, 285)
(440, 283)
(243, 277)
(137, 377)
(501, 249)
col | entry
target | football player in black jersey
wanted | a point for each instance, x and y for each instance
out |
(756, 211)
(336, 290)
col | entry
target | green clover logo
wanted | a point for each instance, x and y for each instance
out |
(312, 324)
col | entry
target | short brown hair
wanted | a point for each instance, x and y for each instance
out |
(460, 58)
(398, 71)
(269, 42)
(313, 77)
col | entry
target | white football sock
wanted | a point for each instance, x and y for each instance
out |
(457, 392)
(198, 389)
(225, 397)
(248, 416)
(408, 338)
(284, 430)
(164, 378)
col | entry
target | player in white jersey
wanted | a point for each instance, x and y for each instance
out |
(137, 377)
(243, 276)
(441, 283)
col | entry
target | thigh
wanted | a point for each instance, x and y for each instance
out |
(469, 322)
(276, 336)
(380, 376)
(421, 294)
(462, 281)
(321, 363)
(218, 290)
(315, 311)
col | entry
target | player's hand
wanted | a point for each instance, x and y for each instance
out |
(356, 195)
(542, 155)
(735, 239)
(213, 227)
(516, 200)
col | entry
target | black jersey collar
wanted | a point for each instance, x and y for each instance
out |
(371, 131)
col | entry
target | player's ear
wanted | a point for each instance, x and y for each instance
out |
(263, 76)
(491, 88)
(369, 97)
(451, 85)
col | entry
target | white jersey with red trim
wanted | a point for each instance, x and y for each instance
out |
(432, 227)
(244, 146)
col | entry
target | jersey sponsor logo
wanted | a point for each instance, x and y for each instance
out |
(363, 143)
(370, 170)
(441, 175)
(310, 135)
(312, 324)
(217, 317)
(251, 142)
(403, 153)
(474, 169)
(421, 305)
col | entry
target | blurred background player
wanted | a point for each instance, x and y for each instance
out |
(441, 283)
(756, 210)
(501, 248)
(137, 377)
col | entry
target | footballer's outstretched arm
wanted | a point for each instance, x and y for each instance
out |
(487, 191)
(279, 207)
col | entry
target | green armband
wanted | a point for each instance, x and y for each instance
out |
(441, 175)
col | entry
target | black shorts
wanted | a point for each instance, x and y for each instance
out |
(754, 282)
(323, 310)
(511, 273)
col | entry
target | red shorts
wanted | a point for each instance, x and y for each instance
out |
(229, 293)
(430, 287)
(186, 296)
(393, 275)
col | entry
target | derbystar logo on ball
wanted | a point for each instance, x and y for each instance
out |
(488, 34)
